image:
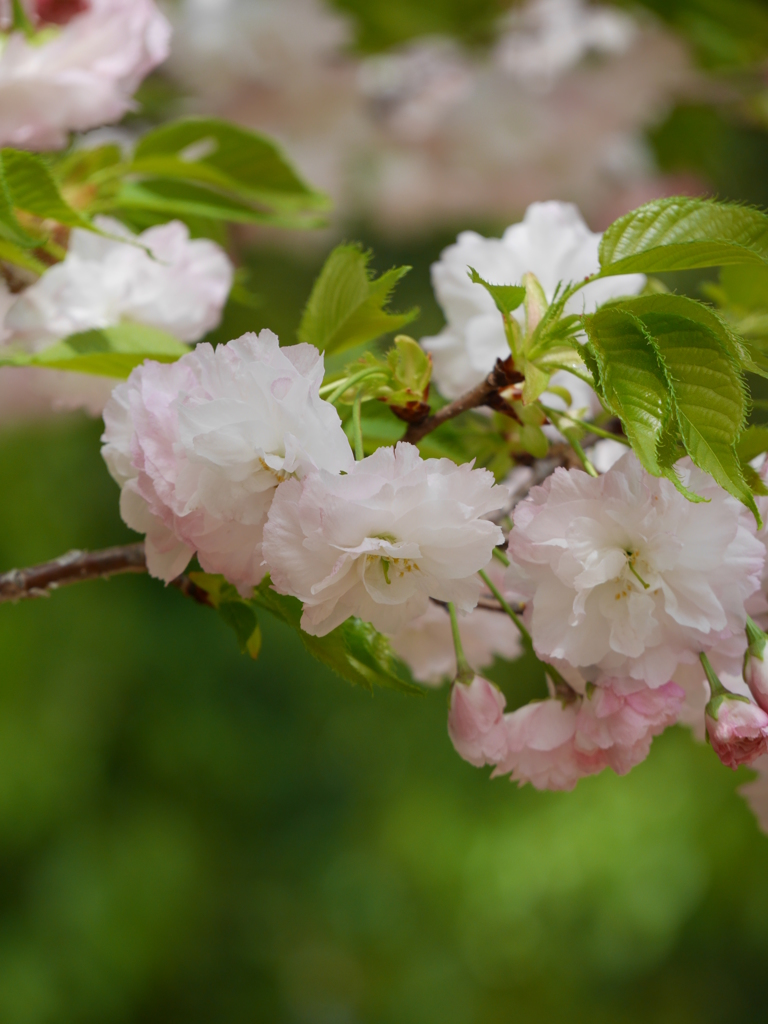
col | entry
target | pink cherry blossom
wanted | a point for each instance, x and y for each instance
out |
(83, 76)
(199, 447)
(626, 574)
(476, 722)
(381, 540)
(552, 744)
(756, 678)
(737, 730)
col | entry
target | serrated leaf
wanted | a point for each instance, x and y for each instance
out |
(32, 188)
(681, 233)
(241, 618)
(708, 396)
(12, 253)
(506, 296)
(630, 379)
(226, 157)
(10, 228)
(108, 352)
(347, 306)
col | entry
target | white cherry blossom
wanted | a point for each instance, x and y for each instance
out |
(181, 289)
(552, 242)
(199, 447)
(378, 542)
(627, 574)
(80, 76)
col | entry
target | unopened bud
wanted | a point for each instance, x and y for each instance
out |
(737, 729)
(755, 665)
(476, 722)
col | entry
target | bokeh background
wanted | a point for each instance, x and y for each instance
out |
(189, 837)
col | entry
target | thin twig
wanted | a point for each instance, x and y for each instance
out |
(77, 566)
(503, 375)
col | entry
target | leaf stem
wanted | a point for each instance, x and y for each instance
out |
(349, 382)
(465, 673)
(20, 19)
(561, 686)
(568, 432)
(357, 426)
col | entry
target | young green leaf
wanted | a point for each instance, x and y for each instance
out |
(682, 233)
(226, 157)
(630, 379)
(753, 442)
(506, 296)
(31, 187)
(238, 613)
(348, 306)
(107, 352)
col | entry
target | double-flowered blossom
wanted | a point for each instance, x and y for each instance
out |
(553, 743)
(161, 278)
(626, 574)
(381, 540)
(80, 76)
(181, 288)
(552, 242)
(200, 446)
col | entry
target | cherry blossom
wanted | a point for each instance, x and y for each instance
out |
(552, 242)
(199, 447)
(625, 573)
(552, 743)
(737, 730)
(181, 289)
(476, 722)
(379, 541)
(78, 77)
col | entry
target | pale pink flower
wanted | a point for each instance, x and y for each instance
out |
(541, 746)
(426, 643)
(199, 447)
(103, 282)
(181, 288)
(381, 540)
(553, 744)
(756, 677)
(756, 792)
(619, 718)
(552, 242)
(476, 722)
(626, 574)
(81, 76)
(737, 730)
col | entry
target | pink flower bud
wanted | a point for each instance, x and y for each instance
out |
(738, 729)
(756, 678)
(476, 722)
(59, 12)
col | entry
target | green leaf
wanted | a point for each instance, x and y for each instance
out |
(354, 650)
(108, 352)
(238, 613)
(184, 199)
(506, 296)
(682, 233)
(32, 188)
(745, 287)
(226, 157)
(629, 379)
(12, 253)
(347, 306)
(10, 228)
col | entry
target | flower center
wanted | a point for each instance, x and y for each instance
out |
(638, 568)
(393, 568)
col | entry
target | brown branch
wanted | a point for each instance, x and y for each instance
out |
(503, 375)
(77, 566)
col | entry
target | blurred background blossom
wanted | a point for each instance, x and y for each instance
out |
(189, 836)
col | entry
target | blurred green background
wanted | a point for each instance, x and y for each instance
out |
(189, 837)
